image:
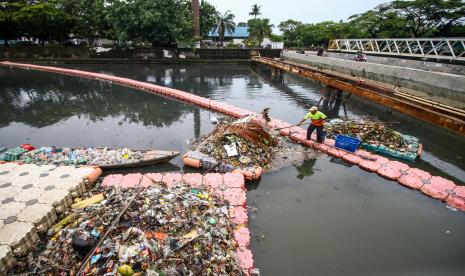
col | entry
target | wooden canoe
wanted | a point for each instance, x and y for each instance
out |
(151, 157)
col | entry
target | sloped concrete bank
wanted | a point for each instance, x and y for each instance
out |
(443, 87)
(442, 66)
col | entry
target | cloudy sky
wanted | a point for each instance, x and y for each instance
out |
(308, 11)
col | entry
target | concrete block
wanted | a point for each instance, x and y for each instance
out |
(59, 199)
(76, 186)
(41, 215)
(7, 260)
(20, 236)
(8, 191)
(11, 209)
(26, 195)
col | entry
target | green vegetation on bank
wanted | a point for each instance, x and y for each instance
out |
(154, 22)
(170, 22)
(400, 18)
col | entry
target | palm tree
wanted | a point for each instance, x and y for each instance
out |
(255, 10)
(260, 28)
(225, 24)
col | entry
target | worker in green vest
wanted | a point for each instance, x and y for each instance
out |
(317, 122)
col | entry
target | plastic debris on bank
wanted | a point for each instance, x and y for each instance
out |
(168, 229)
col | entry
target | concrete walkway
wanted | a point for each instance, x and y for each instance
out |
(31, 198)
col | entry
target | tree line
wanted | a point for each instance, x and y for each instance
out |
(154, 22)
(167, 22)
(399, 18)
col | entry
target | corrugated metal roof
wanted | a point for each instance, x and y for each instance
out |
(238, 32)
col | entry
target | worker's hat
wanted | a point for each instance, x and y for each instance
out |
(313, 108)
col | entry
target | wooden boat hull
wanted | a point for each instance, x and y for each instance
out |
(151, 157)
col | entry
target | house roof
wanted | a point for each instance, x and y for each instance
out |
(238, 32)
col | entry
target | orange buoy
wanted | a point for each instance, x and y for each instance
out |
(258, 172)
(370, 166)
(389, 173)
(410, 181)
(191, 162)
(94, 174)
(247, 175)
(352, 158)
(456, 202)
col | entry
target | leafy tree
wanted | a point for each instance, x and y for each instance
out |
(259, 29)
(321, 33)
(255, 11)
(90, 18)
(276, 38)
(291, 35)
(454, 31)
(159, 22)
(225, 23)
(8, 28)
(208, 18)
(242, 24)
(45, 20)
(380, 22)
(424, 17)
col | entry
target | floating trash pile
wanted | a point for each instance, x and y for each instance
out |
(164, 231)
(240, 144)
(375, 136)
(370, 132)
(244, 147)
(81, 156)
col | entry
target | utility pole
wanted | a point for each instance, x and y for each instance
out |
(195, 18)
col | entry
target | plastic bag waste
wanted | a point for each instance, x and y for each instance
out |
(164, 231)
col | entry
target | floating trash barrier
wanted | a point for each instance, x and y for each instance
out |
(239, 146)
(155, 230)
(376, 137)
(103, 157)
(373, 163)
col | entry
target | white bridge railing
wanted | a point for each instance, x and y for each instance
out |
(451, 48)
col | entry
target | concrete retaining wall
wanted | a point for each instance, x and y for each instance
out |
(435, 84)
(137, 54)
(409, 63)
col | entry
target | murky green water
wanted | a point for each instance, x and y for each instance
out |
(321, 217)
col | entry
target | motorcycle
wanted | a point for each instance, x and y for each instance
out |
(362, 57)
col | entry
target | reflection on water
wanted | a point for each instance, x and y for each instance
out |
(329, 219)
(305, 168)
(322, 216)
(50, 98)
(46, 99)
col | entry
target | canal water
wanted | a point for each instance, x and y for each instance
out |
(318, 217)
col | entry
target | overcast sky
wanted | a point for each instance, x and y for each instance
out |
(307, 11)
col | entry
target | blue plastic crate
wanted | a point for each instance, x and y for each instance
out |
(347, 143)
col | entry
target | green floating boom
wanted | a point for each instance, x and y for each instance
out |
(408, 155)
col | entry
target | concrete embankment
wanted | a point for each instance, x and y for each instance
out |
(442, 87)
(63, 55)
(442, 67)
(433, 186)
